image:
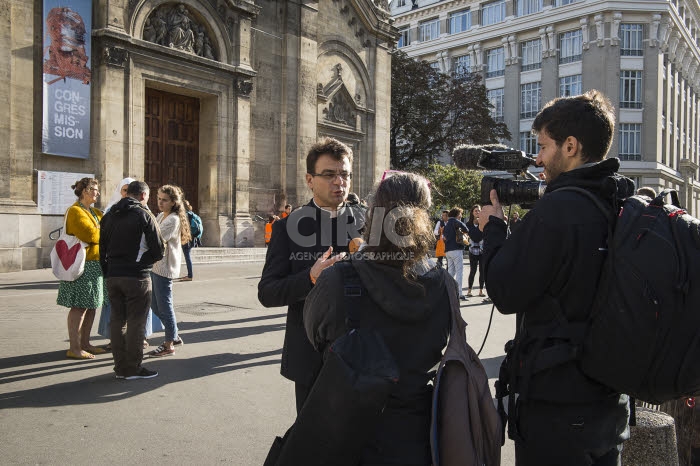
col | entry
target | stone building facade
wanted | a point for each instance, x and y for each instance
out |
(223, 97)
(644, 56)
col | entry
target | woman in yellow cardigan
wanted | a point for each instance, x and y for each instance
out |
(86, 293)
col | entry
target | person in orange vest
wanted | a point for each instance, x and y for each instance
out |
(268, 229)
(287, 210)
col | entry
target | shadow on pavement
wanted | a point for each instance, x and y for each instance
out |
(492, 366)
(215, 323)
(47, 285)
(64, 365)
(105, 388)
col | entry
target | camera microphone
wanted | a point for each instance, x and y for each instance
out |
(491, 157)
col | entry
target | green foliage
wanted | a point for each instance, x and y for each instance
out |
(432, 113)
(451, 186)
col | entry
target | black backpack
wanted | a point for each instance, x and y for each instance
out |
(643, 338)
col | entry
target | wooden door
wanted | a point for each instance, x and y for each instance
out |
(172, 144)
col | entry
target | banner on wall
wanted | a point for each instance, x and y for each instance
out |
(67, 77)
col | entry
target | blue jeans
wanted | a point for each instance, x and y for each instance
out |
(162, 305)
(186, 248)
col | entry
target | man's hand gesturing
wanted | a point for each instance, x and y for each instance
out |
(323, 263)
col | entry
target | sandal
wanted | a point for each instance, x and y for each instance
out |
(94, 350)
(82, 355)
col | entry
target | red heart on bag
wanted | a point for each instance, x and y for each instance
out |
(67, 256)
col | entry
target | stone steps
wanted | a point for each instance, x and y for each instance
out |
(205, 255)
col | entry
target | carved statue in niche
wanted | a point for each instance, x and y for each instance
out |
(173, 26)
(340, 110)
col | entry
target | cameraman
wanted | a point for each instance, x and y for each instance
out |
(547, 274)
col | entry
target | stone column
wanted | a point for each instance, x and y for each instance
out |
(21, 235)
(109, 137)
(243, 232)
(382, 117)
(306, 93)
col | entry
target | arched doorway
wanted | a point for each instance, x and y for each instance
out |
(172, 144)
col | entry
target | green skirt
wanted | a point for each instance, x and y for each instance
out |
(85, 292)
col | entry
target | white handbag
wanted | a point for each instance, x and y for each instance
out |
(68, 256)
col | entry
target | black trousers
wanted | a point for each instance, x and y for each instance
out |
(130, 298)
(586, 434)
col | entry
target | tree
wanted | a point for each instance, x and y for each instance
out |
(432, 113)
(451, 186)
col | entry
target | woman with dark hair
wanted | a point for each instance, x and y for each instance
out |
(408, 305)
(476, 250)
(175, 229)
(86, 293)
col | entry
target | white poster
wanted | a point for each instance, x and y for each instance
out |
(55, 192)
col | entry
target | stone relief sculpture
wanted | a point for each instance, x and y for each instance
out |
(173, 26)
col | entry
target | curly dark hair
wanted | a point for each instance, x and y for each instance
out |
(83, 184)
(589, 117)
(403, 199)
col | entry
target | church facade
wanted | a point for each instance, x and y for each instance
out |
(221, 97)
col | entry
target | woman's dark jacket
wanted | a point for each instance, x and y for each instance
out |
(414, 319)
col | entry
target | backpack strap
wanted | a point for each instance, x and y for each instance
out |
(354, 297)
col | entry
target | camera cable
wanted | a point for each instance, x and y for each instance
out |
(493, 305)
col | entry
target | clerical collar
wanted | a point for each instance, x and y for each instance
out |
(333, 213)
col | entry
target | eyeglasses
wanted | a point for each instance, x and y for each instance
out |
(331, 176)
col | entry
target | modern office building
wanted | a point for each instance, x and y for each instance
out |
(644, 55)
(221, 97)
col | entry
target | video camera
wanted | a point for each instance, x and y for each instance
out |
(498, 157)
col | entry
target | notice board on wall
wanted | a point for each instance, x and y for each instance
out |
(55, 193)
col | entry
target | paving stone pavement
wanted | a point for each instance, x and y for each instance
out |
(218, 400)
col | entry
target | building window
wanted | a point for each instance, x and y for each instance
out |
(401, 3)
(495, 97)
(564, 2)
(570, 46)
(531, 52)
(435, 65)
(527, 7)
(404, 38)
(530, 99)
(630, 89)
(460, 21)
(630, 141)
(429, 30)
(528, 143)
(495, 63)
(493, 12)
(631, 40)
(570, 85)
(463, 65)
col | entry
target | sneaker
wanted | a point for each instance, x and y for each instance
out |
(161, 351)
(118, 376)
(186, 279)
(463, 298)
(178, 342)
(143, 373)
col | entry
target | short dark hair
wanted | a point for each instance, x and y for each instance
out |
(327, 146)
(446, 212)
(454, 212)
(137, 188)
(589, 117)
